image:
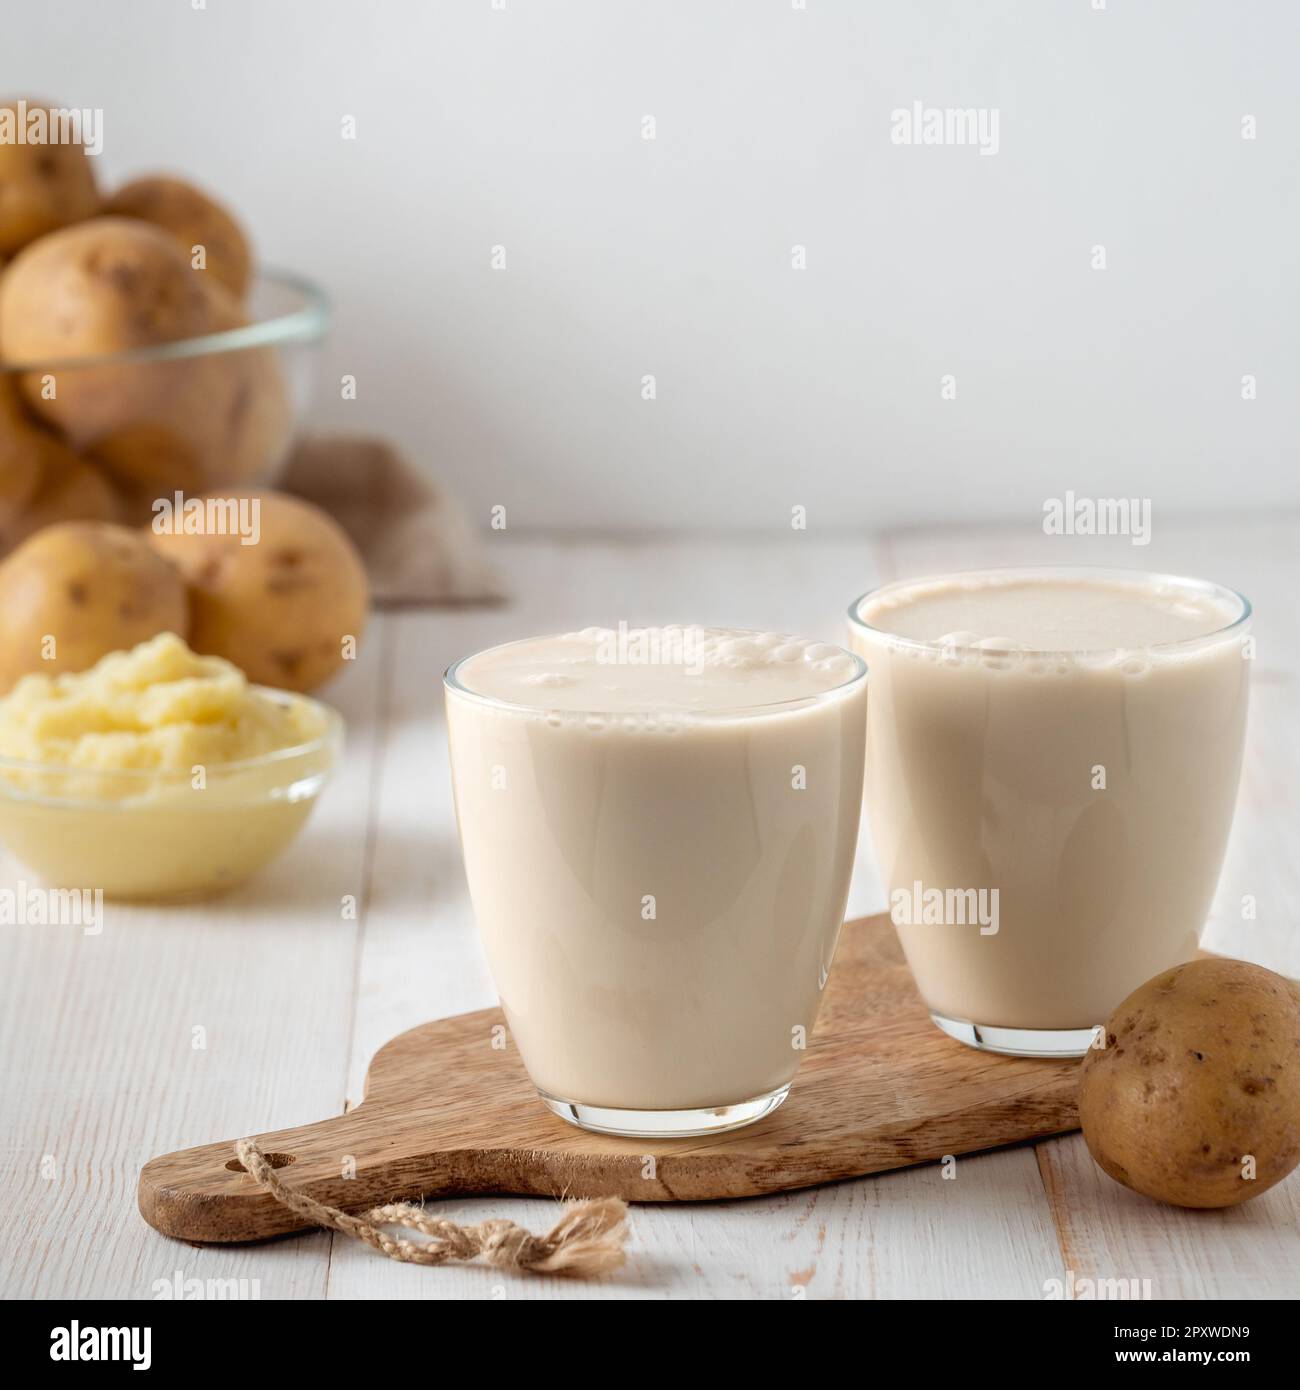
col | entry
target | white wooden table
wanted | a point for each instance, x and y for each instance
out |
(259, 1011)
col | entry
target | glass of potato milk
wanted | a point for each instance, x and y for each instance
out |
(1052, 764)
(659, 827)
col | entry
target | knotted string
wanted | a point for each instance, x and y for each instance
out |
(587, 1240)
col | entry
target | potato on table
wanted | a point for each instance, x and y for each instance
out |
(74, 592)
(194, 219)
(1195, 1097)
(281, 609)
(42, 187)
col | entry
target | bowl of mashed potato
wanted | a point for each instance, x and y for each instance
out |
(158, 774)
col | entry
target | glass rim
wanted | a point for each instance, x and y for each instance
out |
(330, 737)
(453, 683)
(305, 324)
(1150, 578)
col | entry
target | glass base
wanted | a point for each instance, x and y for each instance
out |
(665, 1124)
(1019, 1042)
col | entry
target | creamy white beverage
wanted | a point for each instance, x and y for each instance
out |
(1052, 764)
(659, 829)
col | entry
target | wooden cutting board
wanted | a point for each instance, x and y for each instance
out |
(444, 1113)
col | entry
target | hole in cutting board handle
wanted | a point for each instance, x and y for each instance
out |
(275, 1160)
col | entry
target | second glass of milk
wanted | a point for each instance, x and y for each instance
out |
(1052, 764)
(659, 827)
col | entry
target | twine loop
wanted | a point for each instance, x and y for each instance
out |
(587, 1240)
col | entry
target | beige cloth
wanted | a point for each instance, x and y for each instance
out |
(417, 545)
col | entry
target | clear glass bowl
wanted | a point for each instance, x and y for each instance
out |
(199, 413)
(159, 836)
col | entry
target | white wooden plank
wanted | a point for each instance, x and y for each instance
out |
(1108, 1232)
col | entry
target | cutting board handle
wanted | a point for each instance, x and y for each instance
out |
(204, 1194)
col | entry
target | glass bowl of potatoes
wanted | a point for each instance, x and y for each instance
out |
(126, 374)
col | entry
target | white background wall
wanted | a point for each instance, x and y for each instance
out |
(522, 127)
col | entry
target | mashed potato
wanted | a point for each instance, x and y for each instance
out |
(157, 774)
(159, 707)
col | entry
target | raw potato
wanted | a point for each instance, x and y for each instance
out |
(42, 187)
(68, 489)
(104, 286)
(212, 421)
(41, 480)
(215, 420)
(193, 219)
(1201, 1068)
(20, 471)
(111, 285)
(92, 587)
(280, 609)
